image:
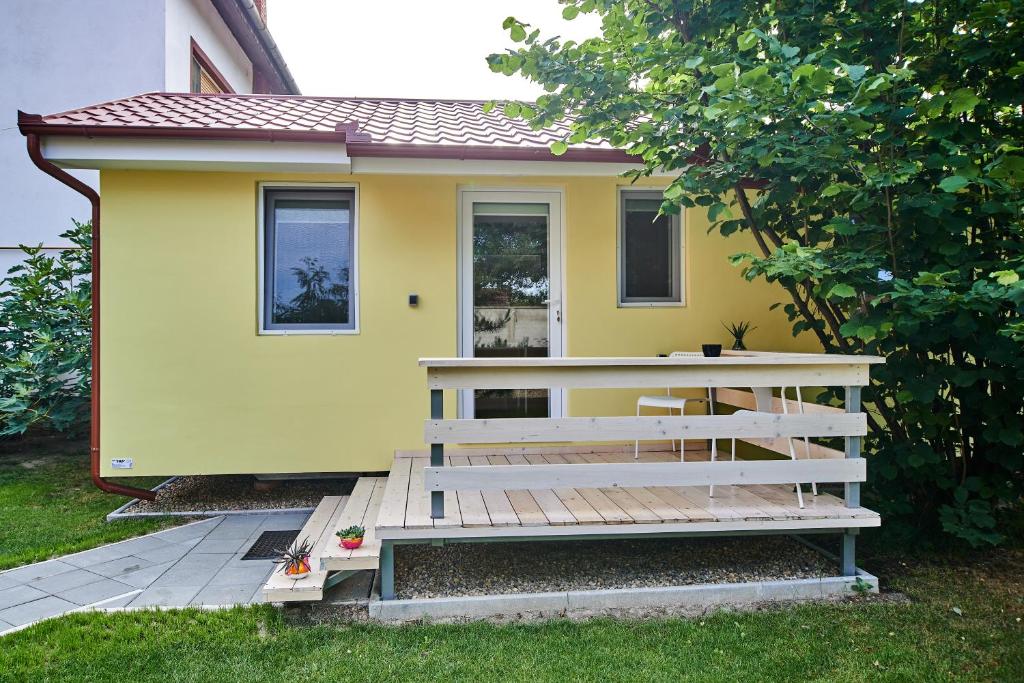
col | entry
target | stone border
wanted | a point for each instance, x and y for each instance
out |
(120, 513)
(698, 598)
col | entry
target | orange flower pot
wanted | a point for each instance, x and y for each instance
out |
(298, 569)
(351, 543)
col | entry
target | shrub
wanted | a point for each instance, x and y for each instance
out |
(45, 326)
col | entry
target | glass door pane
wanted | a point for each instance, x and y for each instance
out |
(510, 298)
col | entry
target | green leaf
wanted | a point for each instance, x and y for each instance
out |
(953, 183)
(517, 33)
(673, 191)
(719, 210)
(693, 62)
(1005, 277)
(856, 71)
(512, 109)
(489, 106)
(570, 12)
(835, 188)
(746, 41)
(842, 291)
(963, 101)
(559, 147)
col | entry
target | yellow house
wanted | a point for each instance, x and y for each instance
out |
(272, 267)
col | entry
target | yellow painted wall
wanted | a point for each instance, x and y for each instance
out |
(188, 386)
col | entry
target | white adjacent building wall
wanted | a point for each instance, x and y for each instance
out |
(61, 54)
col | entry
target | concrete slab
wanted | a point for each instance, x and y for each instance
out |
(9, 597)
(6, 582)
(223, 595)
(39, 570)
(222, 545)
(4, 626)
(165, 596)
(103, 589)
(193, 570)
(42, 608)
(188, 532)
(137, 546)
(237, 527)
(61, 582)
(255, 573)
(168, 553)
(105, 553)
(119, 567)
(284, 522)
(144, 577)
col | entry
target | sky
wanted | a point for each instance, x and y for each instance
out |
(410, 48)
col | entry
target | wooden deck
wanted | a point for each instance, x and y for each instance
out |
(405, 506)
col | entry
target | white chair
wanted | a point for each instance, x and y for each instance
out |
(763, 402)
(670, 402)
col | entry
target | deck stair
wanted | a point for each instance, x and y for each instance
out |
(332, 563)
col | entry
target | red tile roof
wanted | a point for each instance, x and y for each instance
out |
(369, 126)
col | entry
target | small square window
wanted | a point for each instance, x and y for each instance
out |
(309, 258)
(650, 252)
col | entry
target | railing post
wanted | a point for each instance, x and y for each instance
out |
(853, 447)
(848, 548)
(436, 453)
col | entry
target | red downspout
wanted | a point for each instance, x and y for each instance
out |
(77, 185)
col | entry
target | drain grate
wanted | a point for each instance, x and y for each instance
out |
(270, 544)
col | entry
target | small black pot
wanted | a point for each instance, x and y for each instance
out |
(711, 350)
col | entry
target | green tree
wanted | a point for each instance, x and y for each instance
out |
(874, 152)
(45, 335)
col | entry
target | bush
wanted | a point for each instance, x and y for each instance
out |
(885, 142)
(45, 325)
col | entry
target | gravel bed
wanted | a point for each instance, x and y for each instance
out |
(424, 571)
(236, 492)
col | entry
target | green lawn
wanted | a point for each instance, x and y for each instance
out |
(49, 506)
(924, 638)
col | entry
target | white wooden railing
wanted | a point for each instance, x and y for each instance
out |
(728, 376)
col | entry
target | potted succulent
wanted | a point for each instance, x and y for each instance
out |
(296, 559)
(351, 537)
(739, 331)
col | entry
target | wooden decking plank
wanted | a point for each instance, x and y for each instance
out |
(637, 511)
(471, 503)
(526, 508)
(396, 495)
(498, 506)
(582, 511)
(319, 526)
(664, 509)
(554, 511)
(718, 508)
(605, 506)
(417, 509)
(370, 548)
(693, 512)
(767, 507)
(553, 508)
(783, 497)
(351, 512)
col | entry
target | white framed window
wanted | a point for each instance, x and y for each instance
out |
(308, 281)
(650, 258)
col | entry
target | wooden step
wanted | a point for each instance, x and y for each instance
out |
(361, 509)
(318, 530)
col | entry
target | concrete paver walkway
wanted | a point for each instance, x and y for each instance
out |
(195, 564)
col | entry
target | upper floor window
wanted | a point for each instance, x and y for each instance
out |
(205, 78)
(650, 252)
(308, 260)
